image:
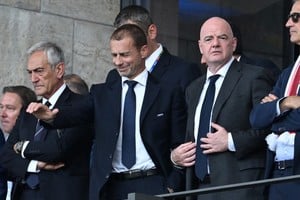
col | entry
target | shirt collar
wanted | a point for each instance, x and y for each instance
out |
(53, 99)
(222, 71)
(150, 61)
(141, 78)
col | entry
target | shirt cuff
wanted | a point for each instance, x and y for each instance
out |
(32, 167)
(231, 146)
(23, 148)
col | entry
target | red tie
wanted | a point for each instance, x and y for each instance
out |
(295, 84)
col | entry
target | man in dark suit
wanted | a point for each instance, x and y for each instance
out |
(160, 124)
(233, 152)
(56, 165)
(160, 63)
(3, 181)
(13, 99)
(280, 111)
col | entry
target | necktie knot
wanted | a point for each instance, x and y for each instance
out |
(213, 79)
(131, 84)
(48, 104)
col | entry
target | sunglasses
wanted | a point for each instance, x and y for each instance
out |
(294, 16)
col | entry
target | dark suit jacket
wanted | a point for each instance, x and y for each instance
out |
(171, 69)
(270, 67)
(243, 87)
(162, 126)
(265, 115)
(70, 146)
(3, 181)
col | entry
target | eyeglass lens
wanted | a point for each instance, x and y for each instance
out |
(295, 17)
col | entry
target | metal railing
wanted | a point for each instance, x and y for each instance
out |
(138, 196)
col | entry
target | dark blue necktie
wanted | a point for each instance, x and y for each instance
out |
(32, 179)
(128, 139)
(204, 127)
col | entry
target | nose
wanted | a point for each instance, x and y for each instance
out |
(34, 77)
(3, 112)
(215, 42)
(117, 60)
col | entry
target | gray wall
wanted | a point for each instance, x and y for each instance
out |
(81, 27)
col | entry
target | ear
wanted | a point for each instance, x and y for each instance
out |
(60, 70)
(234, 43)
(200, 46)
(144, 51)
(152, 32)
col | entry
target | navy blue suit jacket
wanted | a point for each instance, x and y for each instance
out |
(3, 181)
(162, 126)
(170, 69)
(265, 115)
(70, 146)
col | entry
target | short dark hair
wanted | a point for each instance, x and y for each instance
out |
(137, 14)
(133, 31)
(26, 94)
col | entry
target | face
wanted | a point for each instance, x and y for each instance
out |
(216, 42)
(294, 27)
(10, 107)
(128, 60)
(45, 80)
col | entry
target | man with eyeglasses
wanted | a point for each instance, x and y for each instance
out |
(280, 110)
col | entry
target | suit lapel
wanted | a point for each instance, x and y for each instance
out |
(193, 101)
(231, 79)
(151, 93)
(162, 64)
(115, 97)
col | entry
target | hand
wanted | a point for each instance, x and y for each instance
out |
(290, 102)
(185, 154)
(270, 97)
(47, 166)
(42, 112)
(215, 142)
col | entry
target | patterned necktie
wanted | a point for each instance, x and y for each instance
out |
(128, 138)
(204, 127)
(40, 131)
(32, 179)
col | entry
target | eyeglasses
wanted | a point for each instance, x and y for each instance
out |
(294, 16)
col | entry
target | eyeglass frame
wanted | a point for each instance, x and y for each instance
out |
(294, 17)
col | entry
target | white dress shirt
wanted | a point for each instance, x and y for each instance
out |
(222, 72)
(143, 160)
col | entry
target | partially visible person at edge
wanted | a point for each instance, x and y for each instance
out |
(13, 99)
(158, 125)
(160, 63)
(48, 164)
(280, 110)
(222, 148)
(76, 84)
(239, 54)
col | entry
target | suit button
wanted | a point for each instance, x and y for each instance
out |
(110, 156)
(107, 176)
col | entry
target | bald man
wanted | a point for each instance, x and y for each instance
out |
(230, 149)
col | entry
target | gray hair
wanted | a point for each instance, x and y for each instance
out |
(53, 52)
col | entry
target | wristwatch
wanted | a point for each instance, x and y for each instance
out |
(18, 147)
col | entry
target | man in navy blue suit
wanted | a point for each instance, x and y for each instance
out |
(160, 124)
(280, 111)
(160, 63)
